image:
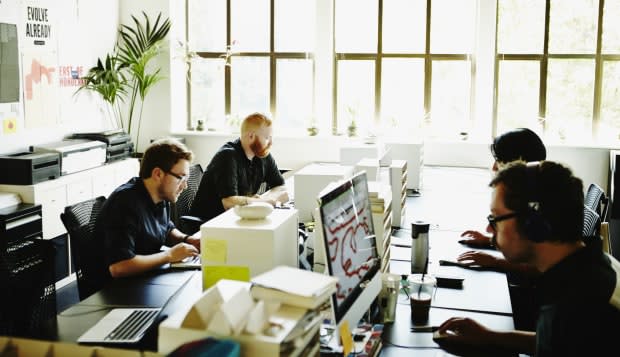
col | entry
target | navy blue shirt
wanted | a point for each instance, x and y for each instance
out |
(131, 224)
(231, 173)
(580, 306)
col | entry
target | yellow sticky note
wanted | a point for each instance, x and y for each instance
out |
(215, 250)
(9, 125)
(211, 274)
(346, 338)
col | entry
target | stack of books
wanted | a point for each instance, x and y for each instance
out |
(295, 287)
(380, 196)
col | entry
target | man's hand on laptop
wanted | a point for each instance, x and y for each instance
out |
(181, 251)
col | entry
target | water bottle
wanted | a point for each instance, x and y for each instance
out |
(419, 247)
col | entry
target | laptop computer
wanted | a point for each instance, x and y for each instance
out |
(188, 263)
(121, 325)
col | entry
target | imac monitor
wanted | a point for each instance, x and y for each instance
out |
(350, 247)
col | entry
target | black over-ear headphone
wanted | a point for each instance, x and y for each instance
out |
(535, 227)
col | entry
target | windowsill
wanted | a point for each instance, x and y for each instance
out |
(390, 138)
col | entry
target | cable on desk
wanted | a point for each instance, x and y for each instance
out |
(386, 342)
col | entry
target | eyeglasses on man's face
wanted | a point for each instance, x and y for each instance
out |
(181, 178)
(494, 219)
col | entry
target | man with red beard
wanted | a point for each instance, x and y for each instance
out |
(241, 172)
(134, 222)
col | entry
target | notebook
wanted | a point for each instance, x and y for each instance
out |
(121, 325)
(188, 263)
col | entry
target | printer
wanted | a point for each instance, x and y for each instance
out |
(28, 168)
(76, 154)
(119, 144)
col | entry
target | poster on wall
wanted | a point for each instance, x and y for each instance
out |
(40, 90)
(39, 64)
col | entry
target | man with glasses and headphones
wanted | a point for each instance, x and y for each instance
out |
(134, 222)
(536, 218)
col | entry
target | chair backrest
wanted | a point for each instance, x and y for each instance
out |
(28, 307)
(184, 202)
(591, 223)
(596, 200)
(87, 252)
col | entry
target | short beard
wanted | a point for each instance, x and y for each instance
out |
(259, 150)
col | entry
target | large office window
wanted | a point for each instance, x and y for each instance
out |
(404, 66)
(251, 55)
(425, 68)
(556, 68)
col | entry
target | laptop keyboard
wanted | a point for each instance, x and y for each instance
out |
(133, 326)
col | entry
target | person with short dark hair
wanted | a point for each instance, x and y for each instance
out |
(135, 222)
(536, 218)
(517, 144)
(241, 172)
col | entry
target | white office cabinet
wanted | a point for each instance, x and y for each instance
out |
(259, 244)
(371, 166)
(55, 195)
(311, 180)
(413, 153)
(398, 182)
(351, 154)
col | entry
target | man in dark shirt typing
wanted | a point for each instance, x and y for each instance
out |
(241, 172)
(135, 223)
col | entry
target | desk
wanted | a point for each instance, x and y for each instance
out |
(483, 291)
(164, 288)
(398, 340)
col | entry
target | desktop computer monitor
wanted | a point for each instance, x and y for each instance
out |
(350, 247)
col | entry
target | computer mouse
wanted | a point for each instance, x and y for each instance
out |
(254, 210)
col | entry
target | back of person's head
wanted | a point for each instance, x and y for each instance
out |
(254, 121)
(518, 144)
(547, 197)
(163, 153)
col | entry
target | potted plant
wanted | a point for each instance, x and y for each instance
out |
(127, 73)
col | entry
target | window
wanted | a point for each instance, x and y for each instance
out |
(556, 62)
(251, 55)
(426, 68)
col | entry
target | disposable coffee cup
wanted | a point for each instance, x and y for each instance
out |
(421, 292)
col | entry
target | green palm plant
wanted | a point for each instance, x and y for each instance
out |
(107, 79)
(139, 45)
(126, 74)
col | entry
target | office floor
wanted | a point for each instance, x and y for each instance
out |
(450, 199)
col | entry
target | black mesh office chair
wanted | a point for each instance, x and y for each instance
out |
(596, 200)
(28, 303)
(591, 222)
(186, 223)
(87, 252)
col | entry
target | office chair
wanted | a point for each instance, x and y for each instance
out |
(87, 252)
(28, 303)
(591, 231)
(186, 223)
(596, 200)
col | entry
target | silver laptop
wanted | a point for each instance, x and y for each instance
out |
(121, 325)
(188, 263)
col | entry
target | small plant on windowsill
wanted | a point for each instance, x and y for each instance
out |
(352, 128)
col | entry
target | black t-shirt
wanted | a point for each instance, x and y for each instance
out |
(131, 224)
(230, 173)
(580, 302)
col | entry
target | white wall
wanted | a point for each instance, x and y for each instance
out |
(82, 31)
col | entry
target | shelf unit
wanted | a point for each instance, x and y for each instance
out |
(55, 195)
(398, 182)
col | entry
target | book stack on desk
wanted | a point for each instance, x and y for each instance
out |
(294, 287)
(262, 328)
(380, 195)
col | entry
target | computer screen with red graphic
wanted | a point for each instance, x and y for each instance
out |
(350, 244)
